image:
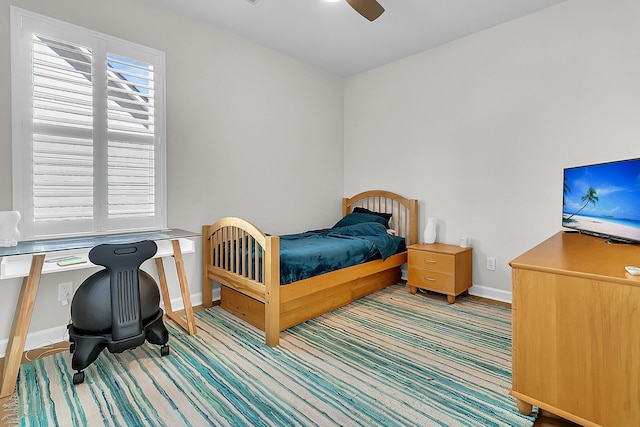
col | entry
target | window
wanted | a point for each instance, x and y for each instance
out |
(88, 130)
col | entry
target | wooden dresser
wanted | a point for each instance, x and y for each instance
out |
(439, 267)
(576, 330)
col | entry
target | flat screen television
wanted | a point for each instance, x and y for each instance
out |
(603, 200)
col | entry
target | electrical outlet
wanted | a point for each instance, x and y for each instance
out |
(65, 292)
(491, 263)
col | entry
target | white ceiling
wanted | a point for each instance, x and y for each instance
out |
(334, 37)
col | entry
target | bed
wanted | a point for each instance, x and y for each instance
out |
(246, 263)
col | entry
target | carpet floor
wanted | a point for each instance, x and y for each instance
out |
(389, 359)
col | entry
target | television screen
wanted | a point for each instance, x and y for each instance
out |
(604, 200)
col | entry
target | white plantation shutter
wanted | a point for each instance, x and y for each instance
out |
(88, 120)
(131, 157)
(62, 131)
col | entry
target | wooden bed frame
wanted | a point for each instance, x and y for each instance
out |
(253, 292)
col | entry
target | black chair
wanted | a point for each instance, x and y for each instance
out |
(117, 308)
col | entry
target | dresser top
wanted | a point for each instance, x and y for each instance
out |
(583, 256)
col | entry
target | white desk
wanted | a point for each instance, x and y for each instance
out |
(29, 260)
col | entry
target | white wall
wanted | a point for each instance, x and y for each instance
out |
(479, 130)
(250, 132)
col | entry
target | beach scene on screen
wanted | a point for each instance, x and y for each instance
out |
(603, 199)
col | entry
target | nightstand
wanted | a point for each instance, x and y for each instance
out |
(440, 268)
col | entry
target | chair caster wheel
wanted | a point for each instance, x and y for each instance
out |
(164, 350)
(78, 378)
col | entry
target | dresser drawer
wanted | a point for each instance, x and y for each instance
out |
(432, 261)
(432, 280)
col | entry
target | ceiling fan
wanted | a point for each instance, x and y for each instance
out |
(370, 9)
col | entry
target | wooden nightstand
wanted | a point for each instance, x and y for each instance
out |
(440, 268)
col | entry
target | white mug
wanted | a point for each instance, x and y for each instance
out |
(464, 242)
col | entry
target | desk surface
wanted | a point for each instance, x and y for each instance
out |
(69, 243)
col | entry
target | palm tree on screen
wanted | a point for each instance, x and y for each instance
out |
(565, 190)
(589, 197)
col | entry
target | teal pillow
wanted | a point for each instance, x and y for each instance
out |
(360, 217)
(386, 216)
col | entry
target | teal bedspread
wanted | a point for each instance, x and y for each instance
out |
(312, 253)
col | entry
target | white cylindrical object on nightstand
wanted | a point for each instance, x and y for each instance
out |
(430, 231)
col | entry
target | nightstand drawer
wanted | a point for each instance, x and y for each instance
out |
(433, 280)
(432, 261)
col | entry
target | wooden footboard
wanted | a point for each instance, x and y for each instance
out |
(238, 255)
(246, 262)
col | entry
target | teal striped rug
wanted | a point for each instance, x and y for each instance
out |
(388, 359)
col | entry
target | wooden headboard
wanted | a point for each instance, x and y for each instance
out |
(404, 219)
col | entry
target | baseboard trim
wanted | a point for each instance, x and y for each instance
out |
(490, 293)
(58, 334)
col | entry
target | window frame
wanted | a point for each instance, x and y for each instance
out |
(25, 23)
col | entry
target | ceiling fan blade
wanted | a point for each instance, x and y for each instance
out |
(370, 9)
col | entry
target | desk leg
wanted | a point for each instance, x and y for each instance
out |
(190, 324)
(164, 288)
(20, 327)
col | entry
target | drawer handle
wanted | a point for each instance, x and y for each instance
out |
(429, 279)
(429, 261)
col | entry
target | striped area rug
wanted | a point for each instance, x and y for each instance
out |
(388, 359)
